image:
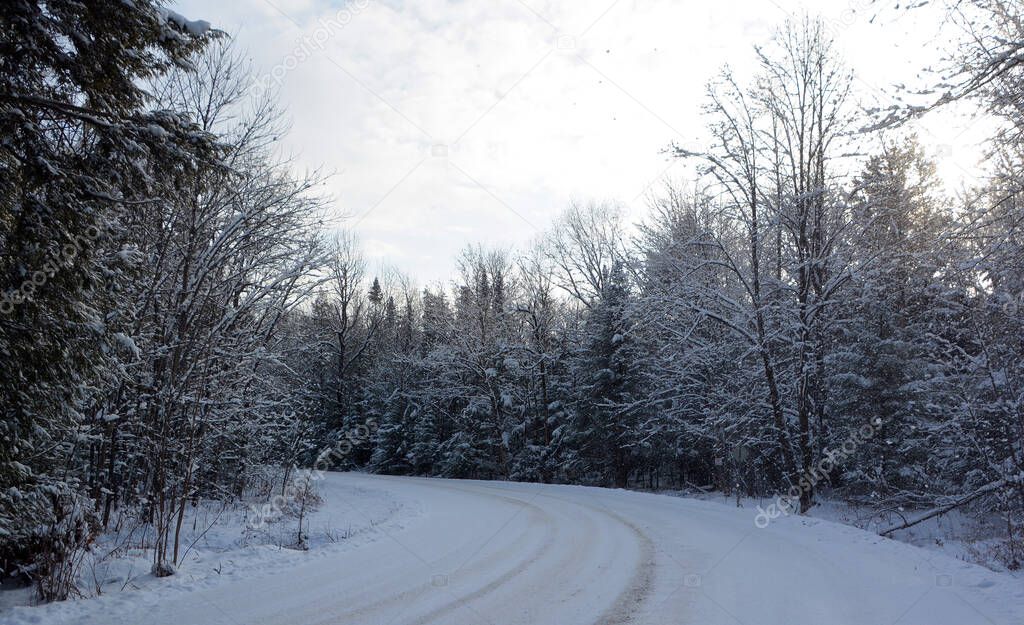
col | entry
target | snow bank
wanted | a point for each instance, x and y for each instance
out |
(219, 548)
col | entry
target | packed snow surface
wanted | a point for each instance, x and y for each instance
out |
(469, 552)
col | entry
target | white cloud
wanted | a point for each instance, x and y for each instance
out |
(532, 122)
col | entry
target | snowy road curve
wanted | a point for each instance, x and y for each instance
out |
(506, 553)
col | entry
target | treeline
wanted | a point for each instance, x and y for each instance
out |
(177, 326)
(813, 312)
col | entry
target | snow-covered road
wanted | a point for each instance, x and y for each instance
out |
(507, 553)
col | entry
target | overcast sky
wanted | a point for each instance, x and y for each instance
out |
(449, 122)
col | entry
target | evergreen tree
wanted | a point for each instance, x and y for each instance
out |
(81, 148)
(609, 372)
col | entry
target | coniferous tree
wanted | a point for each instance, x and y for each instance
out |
(82, 150)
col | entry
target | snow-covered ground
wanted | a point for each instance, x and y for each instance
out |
(221, 547)
(954, 534)
(454, 552)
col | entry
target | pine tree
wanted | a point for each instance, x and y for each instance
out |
(80, 150)
(610, 372)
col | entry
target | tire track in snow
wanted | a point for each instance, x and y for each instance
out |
(631, 599)
(477, 568)
(639, 590)
(536, 555)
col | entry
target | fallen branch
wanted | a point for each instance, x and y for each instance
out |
(939, 511)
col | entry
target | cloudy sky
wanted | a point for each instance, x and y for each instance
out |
(448, 122)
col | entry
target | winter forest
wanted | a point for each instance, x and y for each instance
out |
(184, 319)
